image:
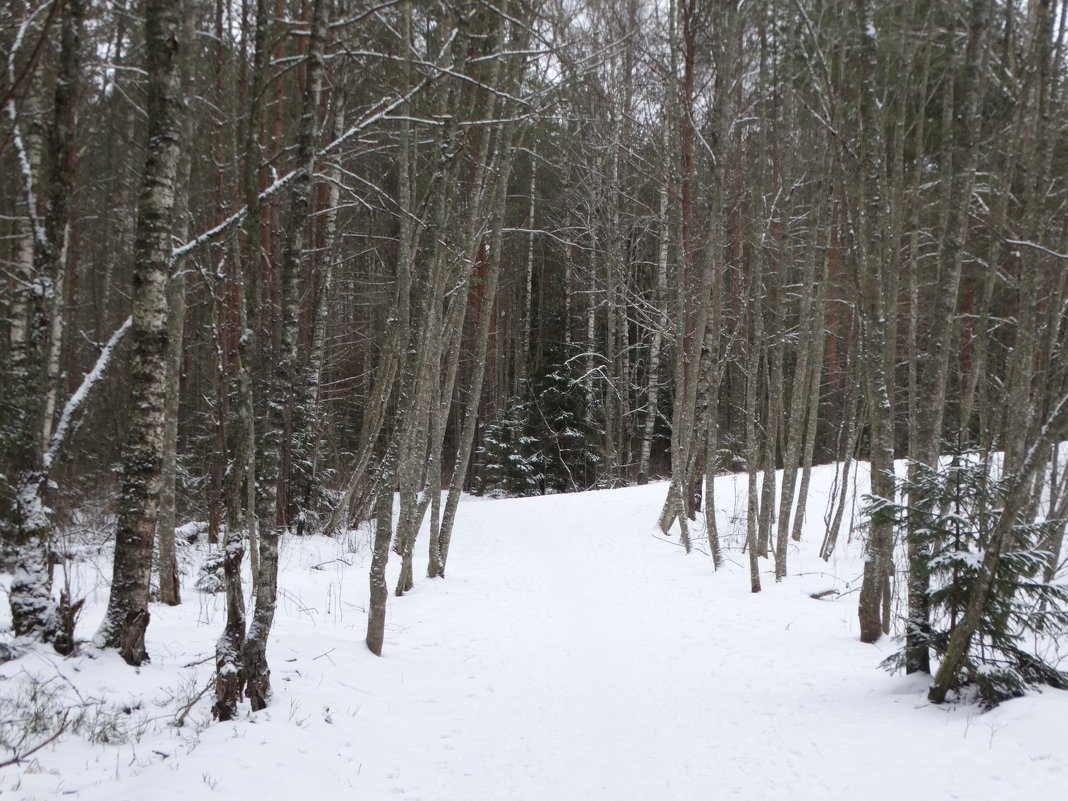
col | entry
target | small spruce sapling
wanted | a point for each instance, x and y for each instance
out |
(959, 506)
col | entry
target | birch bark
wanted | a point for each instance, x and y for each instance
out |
(127, 614)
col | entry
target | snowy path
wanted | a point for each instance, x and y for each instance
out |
(571, 655)
(586, 662)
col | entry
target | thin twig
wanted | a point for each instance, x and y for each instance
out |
(178, 721)
(22, 757)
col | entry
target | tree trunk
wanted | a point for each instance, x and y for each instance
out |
(752, 445)
(308, 421)
(875, 308)
(652, 392)
(36, 331)
(852, 424)
(127, 615)
(286, 372)
(815, 377)
(811, 332)
(168, 565)
(376, 607)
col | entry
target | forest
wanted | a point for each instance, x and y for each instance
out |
(276, 269)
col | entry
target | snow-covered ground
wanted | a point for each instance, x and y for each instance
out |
(572, 653)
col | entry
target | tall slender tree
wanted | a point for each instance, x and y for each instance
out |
(127, 614)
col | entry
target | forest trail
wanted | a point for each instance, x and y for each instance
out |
(589, 659)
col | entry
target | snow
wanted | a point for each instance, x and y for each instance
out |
(572, 653)
(190, 531)
(77, 400)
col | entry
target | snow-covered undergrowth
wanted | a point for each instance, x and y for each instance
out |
(572, 653)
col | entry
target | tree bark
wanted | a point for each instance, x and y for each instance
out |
(875, 307)
(167, 564)
(127, 615)
(169, 591)
(379, 590)
(659, 326)
(36, 332)
(811, 331)
(752, 445)
(286, 372)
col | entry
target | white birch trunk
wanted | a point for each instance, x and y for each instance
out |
(127, 615)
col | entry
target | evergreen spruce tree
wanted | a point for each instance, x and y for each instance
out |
(959, 506)
(510, 458)
(572, 444)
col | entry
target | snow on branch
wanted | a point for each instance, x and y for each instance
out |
(16, 79)
(64, 427)
(341, 23)
(280, 183)
(1026, 244)
(441, 69)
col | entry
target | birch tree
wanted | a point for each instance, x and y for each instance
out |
(30, 435)
(127, 614)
